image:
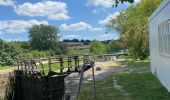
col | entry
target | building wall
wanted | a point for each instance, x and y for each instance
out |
(160, 65)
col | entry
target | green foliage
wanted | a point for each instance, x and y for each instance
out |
(36, 53)
(43, 37)
(60, 48)
(78, 51)
(122, 1)
(25, 45)
(8, 54)
(113, 46)
(132, 24)
(96, 47)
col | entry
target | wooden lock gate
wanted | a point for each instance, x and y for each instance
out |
(31, 83)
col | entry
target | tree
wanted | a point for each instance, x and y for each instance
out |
(96, 47)
(73, 40)
(60, 48)
(122, 1)
(43, 37)
(85, 42)
(132, 25)
(113, 46)
(8, 54)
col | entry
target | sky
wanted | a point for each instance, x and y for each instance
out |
(82, 19)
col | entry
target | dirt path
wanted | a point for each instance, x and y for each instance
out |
(107, 69)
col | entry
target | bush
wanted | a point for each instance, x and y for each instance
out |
(60, 48)
(96, 47)
(8, 54)
(57, 49)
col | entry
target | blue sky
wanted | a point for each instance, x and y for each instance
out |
(82, 19)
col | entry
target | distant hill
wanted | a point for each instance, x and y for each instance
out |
(77, 45)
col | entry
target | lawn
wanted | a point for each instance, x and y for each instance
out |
(104, 91)
(143, 86)
(139, 86)
(135, 64)
(6, 67)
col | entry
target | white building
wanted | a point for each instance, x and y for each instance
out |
(159, 27)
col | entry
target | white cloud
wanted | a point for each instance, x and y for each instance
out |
(108, 18)
(79, 26)
(96, 29)
(18, 26)
(7, 2)
(95, 11)
(51, 9)
(102, 3)
(75, 27)
(98, 10)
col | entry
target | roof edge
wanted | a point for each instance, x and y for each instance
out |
(159, 9)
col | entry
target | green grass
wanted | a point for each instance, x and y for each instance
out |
(135, 64)
(140, 86)
(104, 91)
(55, 66)
(143, 86)
(6, 67)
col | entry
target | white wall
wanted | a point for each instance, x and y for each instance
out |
(159, 63)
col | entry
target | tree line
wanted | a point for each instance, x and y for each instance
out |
(43, 42)
(85, 42)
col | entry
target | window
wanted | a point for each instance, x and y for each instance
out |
(164, 38)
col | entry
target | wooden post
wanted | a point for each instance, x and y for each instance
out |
(49, 64)
(61, 64)
(41, 66)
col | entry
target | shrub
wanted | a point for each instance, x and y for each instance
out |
(8, 54)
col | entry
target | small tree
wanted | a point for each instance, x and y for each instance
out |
(43, 37)
(96, 47)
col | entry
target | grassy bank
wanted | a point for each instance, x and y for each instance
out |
(6, 67)
(138, 85)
